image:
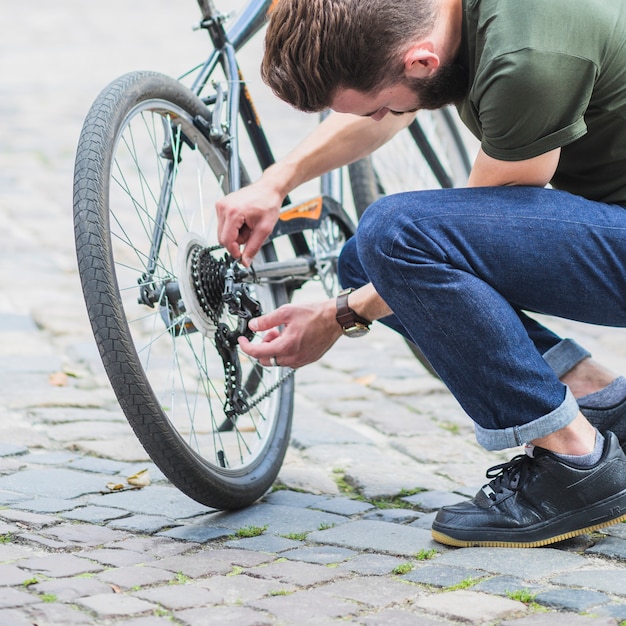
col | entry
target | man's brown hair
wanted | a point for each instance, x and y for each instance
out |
(314, 47)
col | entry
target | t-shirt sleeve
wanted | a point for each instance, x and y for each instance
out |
(530, 102)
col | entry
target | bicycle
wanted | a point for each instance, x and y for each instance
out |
(165, 302)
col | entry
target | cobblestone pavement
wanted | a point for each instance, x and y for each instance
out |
(370, 425)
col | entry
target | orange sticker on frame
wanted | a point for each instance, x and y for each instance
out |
(312, 209)
(272, 6)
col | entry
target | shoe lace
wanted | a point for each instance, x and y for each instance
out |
(509, 476)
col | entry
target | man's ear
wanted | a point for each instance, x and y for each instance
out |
(420, 60)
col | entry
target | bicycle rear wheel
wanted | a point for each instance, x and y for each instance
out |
(430, 154)
(146, 179)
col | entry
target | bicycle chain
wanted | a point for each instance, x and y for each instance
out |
(209, 282)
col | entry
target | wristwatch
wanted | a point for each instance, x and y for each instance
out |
(353, 325)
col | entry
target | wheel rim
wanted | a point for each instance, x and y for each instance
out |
(177, 353)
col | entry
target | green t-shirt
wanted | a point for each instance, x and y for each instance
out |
(546, 74)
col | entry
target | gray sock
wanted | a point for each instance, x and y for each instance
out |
(585, 460)
(610, 396)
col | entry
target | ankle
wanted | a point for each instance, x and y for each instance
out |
(587, 377)
(577, 438)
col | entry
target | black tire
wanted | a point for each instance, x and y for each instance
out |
(430, 154)
(160, 355)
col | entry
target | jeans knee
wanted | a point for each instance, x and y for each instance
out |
(376, 232)
(349, 268)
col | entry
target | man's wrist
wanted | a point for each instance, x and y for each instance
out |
(351, 323)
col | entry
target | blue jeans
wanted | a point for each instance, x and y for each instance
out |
(459, 266)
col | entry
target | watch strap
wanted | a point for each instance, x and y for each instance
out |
(346, 317)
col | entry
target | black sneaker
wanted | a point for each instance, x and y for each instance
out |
(610, 418)
(535, 501)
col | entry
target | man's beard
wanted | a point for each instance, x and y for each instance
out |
(448, 85)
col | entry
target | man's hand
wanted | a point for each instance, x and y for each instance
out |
(246, 217)
(308, 332)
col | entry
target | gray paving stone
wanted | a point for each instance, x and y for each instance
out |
(13, 552)
(372, 564)
(85, 534)
(10, 598)
(157, 547)
(425, 521)
(224, 616)
(55, 415)
(264, 543)
(241, 588)
(196, 533)
(152, 620)
(442, 575)
(559, 619)
(343, 506)
(376, 536)
(397, 617)
(611, 547)
(279, 519)
(8, 498)
(116, 557)
(175, 597)
(153, 500)
(298, 573)
(374, 592)
(323, 555)
(131, 577)
(47, 505)
(14, 618)
(60, 565)
(293, 498)
(615, 610)
(528, 564)
(41, 541)
(61, 457)
(46, 614)
(28, 520)
(322, 429)
(505, 585)
(95, 514)
(243, 558)
(471, 606)
(53, 483)
(68, 589)
(10, 575)
(149, 524)
(433, 500)
(115, 605)
(578, 600)
(395, 516)
(100, 466)
(606, 581)
(11, 449)
(307, 607)
(194, 565)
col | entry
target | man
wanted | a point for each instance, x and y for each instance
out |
(543, 87)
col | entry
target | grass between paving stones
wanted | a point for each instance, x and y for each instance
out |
(403, 568)
(250, 531)
(527, 597)
(179, 579)
(7, 538)
(392, 502)
(466, 583)
(296, 536)
(425, 555)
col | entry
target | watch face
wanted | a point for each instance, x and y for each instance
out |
(358, 330)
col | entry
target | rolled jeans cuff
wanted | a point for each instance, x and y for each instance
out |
(492, 439)
(564, 356)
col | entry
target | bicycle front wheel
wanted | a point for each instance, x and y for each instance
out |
(146, 180)
(429, 154)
